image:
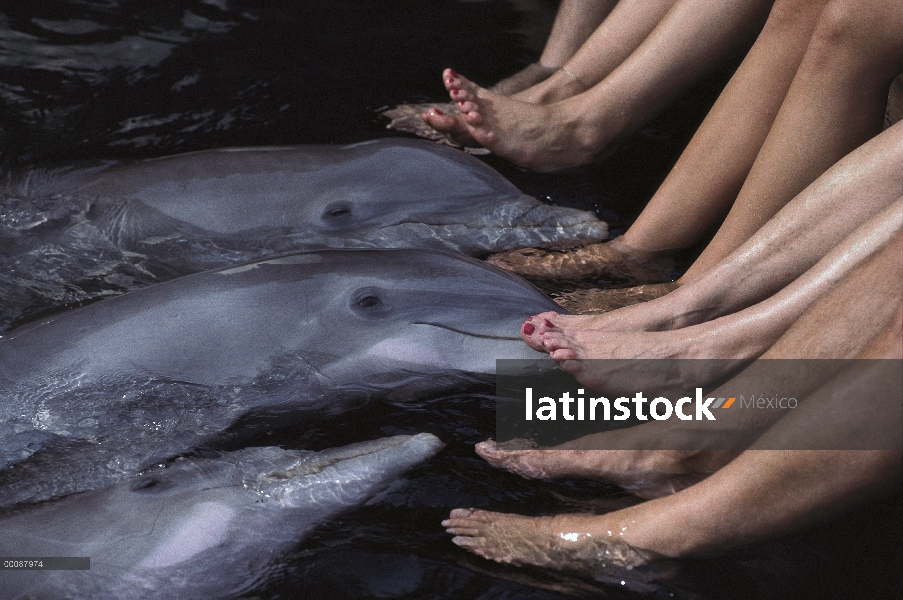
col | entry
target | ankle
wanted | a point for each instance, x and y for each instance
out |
(629, 249)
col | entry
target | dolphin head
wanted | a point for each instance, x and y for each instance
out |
(365, 316)
(412, 193)
(202, 527)
(393, 181)
(382, 193)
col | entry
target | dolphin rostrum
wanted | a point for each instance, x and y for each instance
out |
(199, 528)
(140, 377)
(90, 233)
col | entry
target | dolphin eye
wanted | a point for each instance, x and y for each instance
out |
(369, 302)
(337, 212)
(148, 484)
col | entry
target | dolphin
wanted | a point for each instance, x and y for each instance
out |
(86, 233)
(201, 527)
(128, 381)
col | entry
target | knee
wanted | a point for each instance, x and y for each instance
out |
(792, 16)
(869, 29)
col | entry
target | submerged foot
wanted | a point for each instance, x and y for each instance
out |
(593, 260)
(586, 543)
(644, 473)
(538, 137)
(450, 125)
(596, 301)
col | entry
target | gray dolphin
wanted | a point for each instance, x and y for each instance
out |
(200, 528)
(110, 387)
(92, 232)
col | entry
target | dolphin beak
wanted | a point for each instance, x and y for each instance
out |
(348, 475)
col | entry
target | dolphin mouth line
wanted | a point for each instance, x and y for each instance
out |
(471, 334)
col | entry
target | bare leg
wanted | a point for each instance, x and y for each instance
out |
(829, 329)
(848, 194)
(748, 333)
(574, 24)
(699, 190)
(691, 40)
(835, 103)
(786, 490)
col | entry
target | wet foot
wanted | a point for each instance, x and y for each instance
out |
(642, 317)
(538, 137)
(593, 260)
(596, 301)
(572, 542)
(537, 84)
(646, 474)
(408, 118)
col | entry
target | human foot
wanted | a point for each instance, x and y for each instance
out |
(596, 301)
(409, 119)
(587, 543)
(440, 122)
(644, 473)
(538, 137)
(593, 260)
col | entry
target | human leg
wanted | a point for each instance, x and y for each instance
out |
(787, 490)
(828, 329)
(692, 39)
(748, 333)
(575, 22)
(835, 103)
(700, 188)
(852, 191)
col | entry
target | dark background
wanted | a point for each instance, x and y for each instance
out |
(86, 81)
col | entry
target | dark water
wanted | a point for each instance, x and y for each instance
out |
(87, 81)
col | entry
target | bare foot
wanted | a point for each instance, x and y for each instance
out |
(611, 258)
(636, 318)
(538, 137)
(664, 313)
(449, 125)
(578, 542)
(644, 473)
(408, 118)
(596, 301)
(535, 84)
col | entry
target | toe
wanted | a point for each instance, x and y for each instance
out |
(461, 513)
(562, 355)
(440, 121)
(574, 367)
(469, 542)
(471, 116)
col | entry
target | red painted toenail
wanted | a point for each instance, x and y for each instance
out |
(460, 103)
(455, 92)
(453, 74)
(529, 329)
(548, 323)
(438, 112)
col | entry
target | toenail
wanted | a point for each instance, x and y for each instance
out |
(548, 323)
(452, 73)
(460, 103)
(528, 328)
(438, 112)
(455, 92)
